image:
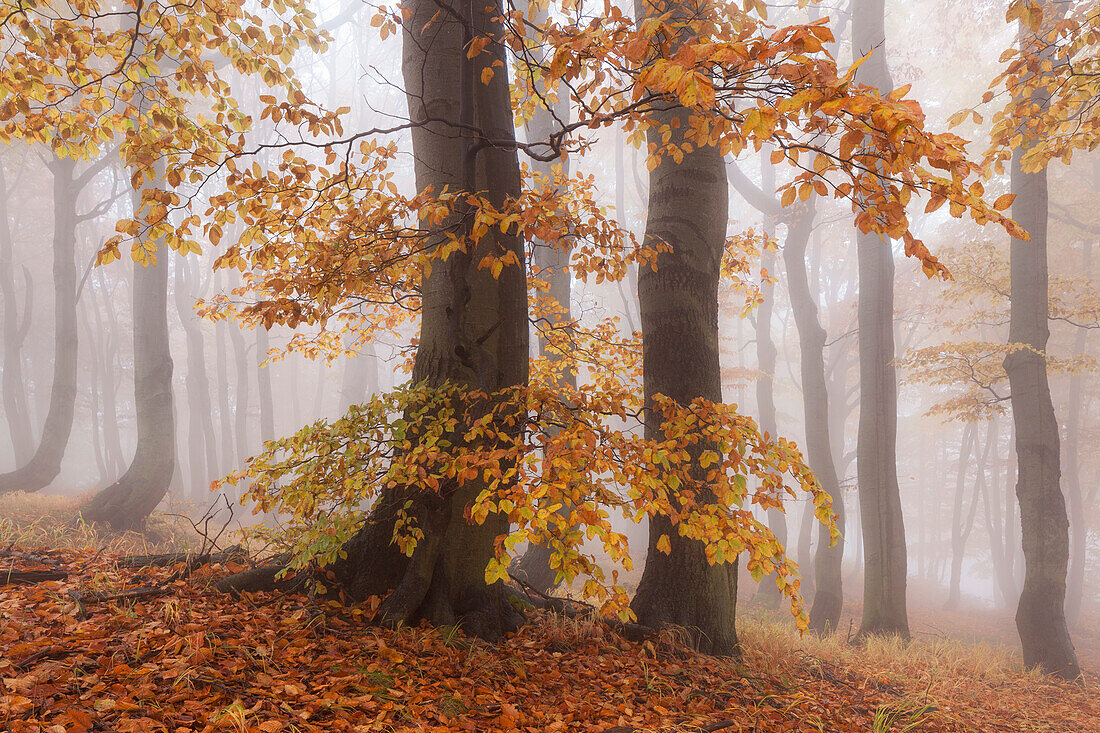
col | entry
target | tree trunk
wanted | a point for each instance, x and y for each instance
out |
(240, 396)
(474, 329)
(45, 464)
(688, 204)
(125, 504)
(1078, 519)
(15, 328)
(263, 379)
(768, 593)
(957, 543)
(112, 436)
(202, 454)
(884, 575)
(1040, 615)
(552, 260)
(829, 581)
(230, 457)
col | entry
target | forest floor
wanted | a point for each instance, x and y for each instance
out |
(76, 655)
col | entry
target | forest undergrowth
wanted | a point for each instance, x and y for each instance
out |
(110, 647)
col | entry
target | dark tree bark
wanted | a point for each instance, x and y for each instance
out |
(45, 464)
(1040, 615)
(688, 205)
(474, 328)
(15, 328)
(884, 576)
(125, 504)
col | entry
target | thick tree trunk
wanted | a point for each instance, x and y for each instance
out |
(15, 329)
(688, 206)
(884, 576)
(1040, 615)
(474, 329)
(45, 464)
(125, 504)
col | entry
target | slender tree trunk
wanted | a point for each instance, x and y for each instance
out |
(263, 379)
(125, 504)
(474, 329)
(884, 575)
(1040, 615)
(768, 593)
(241, 394)
(957, 543)
(829, 586)
(15, 329)
(1078, 519)
(201, 450)
(688, 205)
(45, 464)
(230, 458)
(112, 436)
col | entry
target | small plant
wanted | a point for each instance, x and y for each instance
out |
(909, 714)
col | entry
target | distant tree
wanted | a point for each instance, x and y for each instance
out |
(884, 551)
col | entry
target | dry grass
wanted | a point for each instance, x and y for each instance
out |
(50, 520)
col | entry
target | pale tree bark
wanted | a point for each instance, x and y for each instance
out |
(961, 525)
(15, 328)
(474, 328)
(263, 379)
(45, 464)
(688, 206)
(552, 261)
(107, 326)
(884, 575)
(1040, 615)
(766, 354)
(241, 393)
(202, 454)
(826, 581)
(1078, 519)
(229, 456)
(125, 504)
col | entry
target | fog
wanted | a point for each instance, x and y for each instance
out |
(235, 386)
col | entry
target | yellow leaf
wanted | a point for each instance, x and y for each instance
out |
(664, 545)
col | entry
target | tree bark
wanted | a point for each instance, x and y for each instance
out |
(688, 206)
(474, 328)
(125, 504)
(768, 593)
(15, 329)
(828, 599)
(1040, 615)
(202, 453)
(552, 260)
(1078, 518)
(884, 577)
(45, 464)
(263, 379)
